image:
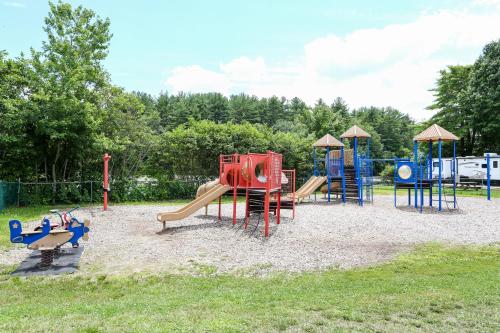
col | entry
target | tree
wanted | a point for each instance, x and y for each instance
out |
(16, 146)
(245, 108)
(340, 107)
(324, 121)
(484, 97)
(454, 113)
(468, 102)
(70, 76)
(392, 131)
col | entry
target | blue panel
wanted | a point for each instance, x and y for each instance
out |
(404, 168)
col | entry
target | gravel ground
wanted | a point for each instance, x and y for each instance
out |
(129, 239)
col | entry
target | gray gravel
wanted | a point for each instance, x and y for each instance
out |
(128, 238)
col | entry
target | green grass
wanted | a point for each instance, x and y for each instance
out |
(21, 214)
(434, 289)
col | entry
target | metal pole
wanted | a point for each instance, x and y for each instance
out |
(18, 190)
(328, 162)
(415, 171)
(355, 160)
(421, 186)
(235, 185)
(315, 170)
(278, 205)
(454, 166)
(247, 213)
(361, 181)
(343, 173)
(106, 159)
(431, 182)
(488, 176)
(267, 196)
(395, 184)
(439, 176)
(220, 210)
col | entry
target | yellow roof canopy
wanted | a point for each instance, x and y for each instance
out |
(435, 133)
(328, 141)
(355, 132)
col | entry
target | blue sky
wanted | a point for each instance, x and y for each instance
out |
(368, 52)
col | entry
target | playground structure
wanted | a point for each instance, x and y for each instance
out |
(417, 173)
(257, 177)
(49, 237)
(347, 173)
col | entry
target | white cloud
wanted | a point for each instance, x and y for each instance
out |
(495, 3)
(197, 79)
(395, 65)
(245, 69)
(14, 4)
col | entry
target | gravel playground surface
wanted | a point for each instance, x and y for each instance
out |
(128, 239)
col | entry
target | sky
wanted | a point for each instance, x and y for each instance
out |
(370, 53)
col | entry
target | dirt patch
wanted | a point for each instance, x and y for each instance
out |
(129, 239)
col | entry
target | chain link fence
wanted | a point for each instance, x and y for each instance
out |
(89, 192)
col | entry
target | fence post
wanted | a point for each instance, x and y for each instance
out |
(18, 190)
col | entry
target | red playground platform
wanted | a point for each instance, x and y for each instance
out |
(258, 176)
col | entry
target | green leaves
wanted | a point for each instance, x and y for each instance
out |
(194, 149)
(468, 102)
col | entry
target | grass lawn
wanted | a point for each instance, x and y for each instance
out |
(434, 288)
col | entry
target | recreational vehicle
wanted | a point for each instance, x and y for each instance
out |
(469, 167)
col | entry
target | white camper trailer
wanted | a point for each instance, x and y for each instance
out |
(469, 167)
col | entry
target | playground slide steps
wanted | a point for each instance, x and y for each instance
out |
(194, 205)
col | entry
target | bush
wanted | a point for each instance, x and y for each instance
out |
(387, 174)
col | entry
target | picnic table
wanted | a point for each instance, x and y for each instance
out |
(469, 185)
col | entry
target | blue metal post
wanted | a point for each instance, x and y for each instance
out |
(342, 173)
(328, 178)
(355, 158)
(315, 172)
(395, 183)
(415, 171)
(440, 174)
(454, 166)
(488, 176)
(361, 181)
(355, 153)
(430, 174)
(421, 185)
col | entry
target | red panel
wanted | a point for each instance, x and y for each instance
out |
(252, 170)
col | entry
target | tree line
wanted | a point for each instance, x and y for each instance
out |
(59, 112)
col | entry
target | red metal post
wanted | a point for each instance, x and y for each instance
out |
(235, 185)
(279, 207)
(267, 195)
(105, 183)
(247, 213)
(220, 203)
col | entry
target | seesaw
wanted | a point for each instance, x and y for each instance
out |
(48, 239)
